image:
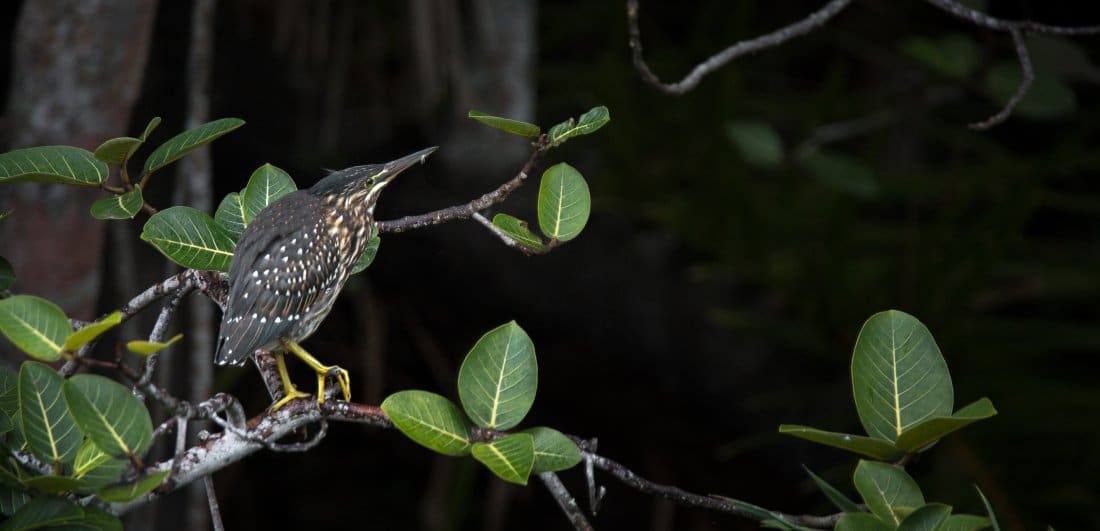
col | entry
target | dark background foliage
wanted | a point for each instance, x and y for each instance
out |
(709, 299)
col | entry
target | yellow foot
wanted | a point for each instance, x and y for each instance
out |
(291, 394)
(323, 372)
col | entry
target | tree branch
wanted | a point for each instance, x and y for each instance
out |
(1027, 78)
(769, 40)
(566, 502)
(468, 210)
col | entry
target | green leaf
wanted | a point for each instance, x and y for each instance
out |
(117, 150)
(757, 142)
(588, 122)
(47, 424)
(57, 164)
(954, 55)
(510, 457)
(10, 478)
(230, 216)
(964, 522)
(6, 424)
(988, 510)
(189, 238)
(109, 414)
(149, 128)
(124, 206)
(93, 330)
(37, 326)
(42, 512)
(88, 457)
(517, 229)
(861, 522)
(499, 377)
(146, 348)
(887, 490)
(429, 420)
(843, 173)
(1047, 98)
(507, 125)
(899, 377)
(927, 518)
(95, 519)
(369, 252)
(564, 202)
(124, 492)
(842, 502)
(9, 392)
(867, 446)
(553, 450)
(96, 468)
(54, 484)
(925, 433)
(266, 184)
(188, 141)
(11, 499)
(7, 274)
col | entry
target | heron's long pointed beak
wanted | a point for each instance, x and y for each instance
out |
(395, 167)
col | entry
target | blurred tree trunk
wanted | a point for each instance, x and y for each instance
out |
(77, 70)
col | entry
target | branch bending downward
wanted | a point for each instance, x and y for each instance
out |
(1017, 29)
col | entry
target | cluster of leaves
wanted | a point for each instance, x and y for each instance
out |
(904, 397)
(496, 386)
(90, 434)
(564, 202)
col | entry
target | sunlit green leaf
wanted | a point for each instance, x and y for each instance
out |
(926, 518)
(124, 206)
(146, 348)
(51, 433)
(588, 122)
(153, 123)
(53, 484)
(887, 490)
(95, 519)
(122, 493)
(867, 446)
(188, 141)
(117, 150)
(517, 229)
(842, 502)
(91, 331)
(843, 173)
(266, 184)
(861, 522)
(899, 377)
(109, 414)
(369, 252)
(7, 274)
(510, 457)
(933, 429)
(59, 164)
(564, 202)
(42, 512)
(189, 238)
(507, 125)
(37, 326)
(96, 468)
(230, 216)
(757, 142)
(964, 522)
(553, 450)
(499, 377)
(429, 420)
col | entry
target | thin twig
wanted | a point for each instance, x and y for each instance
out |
(212, 499)
(566, 502)
(468, 210)
(998, 24)
(1028, 76)
(769, 40)
(504, 237)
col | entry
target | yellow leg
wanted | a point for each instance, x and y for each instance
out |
(289, 391)
(323, 371)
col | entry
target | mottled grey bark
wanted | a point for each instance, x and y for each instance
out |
(77, 70)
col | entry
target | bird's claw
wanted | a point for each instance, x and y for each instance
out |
(343, 379)
(288, 395)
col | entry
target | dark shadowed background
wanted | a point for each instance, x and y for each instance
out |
(715, 293)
